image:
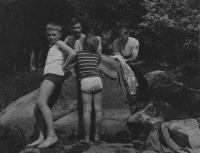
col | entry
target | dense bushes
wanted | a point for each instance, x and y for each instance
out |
(170, 30)
(18, 84)
(167, 29)
(22, 27)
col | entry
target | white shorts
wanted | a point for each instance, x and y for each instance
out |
(91, 85)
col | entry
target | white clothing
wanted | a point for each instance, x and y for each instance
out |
(128, 74)
(78, 46)
(55, 60)
(130, 50)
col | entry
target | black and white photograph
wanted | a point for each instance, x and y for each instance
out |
(99, 76)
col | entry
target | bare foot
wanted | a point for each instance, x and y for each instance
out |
(84, 141)
(96, 138)
(35, 143)
(48, 142)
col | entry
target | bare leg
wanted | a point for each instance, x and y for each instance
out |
(87, 109)
(46, 90)
(41, 126)
(42, 130)
(97, 98)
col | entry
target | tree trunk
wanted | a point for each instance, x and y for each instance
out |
(40, 59)
(32, 61)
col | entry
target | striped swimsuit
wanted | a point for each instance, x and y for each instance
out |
(87, 64)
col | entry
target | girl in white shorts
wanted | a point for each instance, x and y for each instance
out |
(91, 85)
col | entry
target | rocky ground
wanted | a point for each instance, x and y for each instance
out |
(92, 148)
(122, 132)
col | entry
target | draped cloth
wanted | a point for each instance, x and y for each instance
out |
(128, 74)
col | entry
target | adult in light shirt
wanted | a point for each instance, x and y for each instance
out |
(128, 47)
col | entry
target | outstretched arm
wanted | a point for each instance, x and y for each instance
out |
(116, 47)
(99, 47)
(65, 41)
(68, 50)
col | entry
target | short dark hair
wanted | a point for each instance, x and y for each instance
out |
(106, 33)
(54, 26)
(75, 21)
(123, 29)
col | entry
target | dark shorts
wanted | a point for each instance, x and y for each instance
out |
(56, 79)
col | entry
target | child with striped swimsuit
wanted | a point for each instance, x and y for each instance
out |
(91, 86)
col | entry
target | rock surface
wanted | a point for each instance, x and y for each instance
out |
(80, 148)
(67, 113)
(114, 120)
(175, 136)
(167, 87)
(154, 112)
(21, 111)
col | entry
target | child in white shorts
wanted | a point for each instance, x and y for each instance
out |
(91, 85)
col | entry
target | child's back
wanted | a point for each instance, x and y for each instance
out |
(87, 64)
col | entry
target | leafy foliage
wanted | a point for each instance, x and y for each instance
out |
(16, 85)
(167, 29)
(170, 29)
(22, 26)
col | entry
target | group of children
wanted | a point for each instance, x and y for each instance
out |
(91, 85)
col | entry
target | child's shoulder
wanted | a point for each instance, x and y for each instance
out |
(60, 44)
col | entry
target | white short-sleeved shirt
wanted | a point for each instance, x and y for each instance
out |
(130, 50)
(78, 46)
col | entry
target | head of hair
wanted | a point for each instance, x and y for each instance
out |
(123, 30)
(74, 22)
(54, 26)
(90, 43)
(106, 34)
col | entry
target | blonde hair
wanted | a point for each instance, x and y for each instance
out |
(53, 26)
(90, 43)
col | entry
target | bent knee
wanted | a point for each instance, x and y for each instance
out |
(40, 103)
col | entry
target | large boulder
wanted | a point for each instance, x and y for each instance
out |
(168, 87)
(114, 120)
(21, 111)
(178, 88)
(174, 136)
(153, 113)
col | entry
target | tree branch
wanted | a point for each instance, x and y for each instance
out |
(181, 84)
